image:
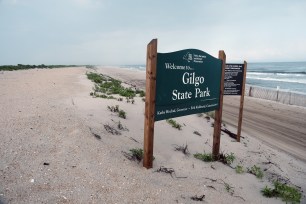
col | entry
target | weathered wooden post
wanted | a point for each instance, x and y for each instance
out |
(150, 103)
(218, 112)
(241, 102)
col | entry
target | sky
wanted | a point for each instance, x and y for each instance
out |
(116, 32)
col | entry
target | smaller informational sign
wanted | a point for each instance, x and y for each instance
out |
(233, 79)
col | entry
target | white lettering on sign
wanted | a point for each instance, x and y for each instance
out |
(177, 67)
(181, 95)
(200, 93)
(190, 78)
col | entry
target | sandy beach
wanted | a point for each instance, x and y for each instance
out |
(54, 147)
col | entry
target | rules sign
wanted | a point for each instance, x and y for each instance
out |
(233, 79)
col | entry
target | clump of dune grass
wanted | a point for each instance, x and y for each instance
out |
(206, 157)
(108, 86)
(115, 109)
(283, 191)
(255, 170)
(239, 169)
(211, 114)
(174, 124)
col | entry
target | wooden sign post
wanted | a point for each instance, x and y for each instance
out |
(241, 102)
(218, 112)
(150, 104)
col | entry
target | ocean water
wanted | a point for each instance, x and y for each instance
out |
(288, 76)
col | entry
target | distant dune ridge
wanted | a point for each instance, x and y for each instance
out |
(57, 145)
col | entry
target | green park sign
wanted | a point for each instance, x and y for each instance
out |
(187, 82)
(181, 83)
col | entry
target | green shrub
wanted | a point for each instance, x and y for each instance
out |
(204, 157)
(268, 192)
(285, 192)
(211, 114)
(122, 114)
(109, 85)
(140, 92)
(114, 109)
(137, 153)
(239, 169)
(174, 124)
(95, 77)
(229, 158)
(229, 188)
(255, 170)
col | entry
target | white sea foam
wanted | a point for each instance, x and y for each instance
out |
(301, 81)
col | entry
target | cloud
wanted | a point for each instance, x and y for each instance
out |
(12, 2)
(88, 3)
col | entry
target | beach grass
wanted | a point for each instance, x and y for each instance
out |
(239, 169)
(229, 158)
(115, 109)
(174, 124)
(108, 85)
(283, 191)
(23, 67)
(206, 157)
(137, 153)
(255, 170)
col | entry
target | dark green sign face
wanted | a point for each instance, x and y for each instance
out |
(187, 82)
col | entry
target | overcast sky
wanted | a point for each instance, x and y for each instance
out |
(116, 32)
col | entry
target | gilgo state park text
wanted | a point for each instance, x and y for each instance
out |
(191, 79)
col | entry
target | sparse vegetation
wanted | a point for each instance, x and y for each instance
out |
(169, 171)
(23, 66)
(111, 130)
(196, 133)
(204, 157)
(229, 158)
(211, 114)
(140, 92)
(268, 192)
(102, 96)
(174, 124)
(239, 169)
(137, 153)
(229, 188)
(283, 191)
(225, 159)
(108, 85)
(255, 170)
(198, 198)
(183, 148)
(122, 114)
(120, 127)
(115, 109)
